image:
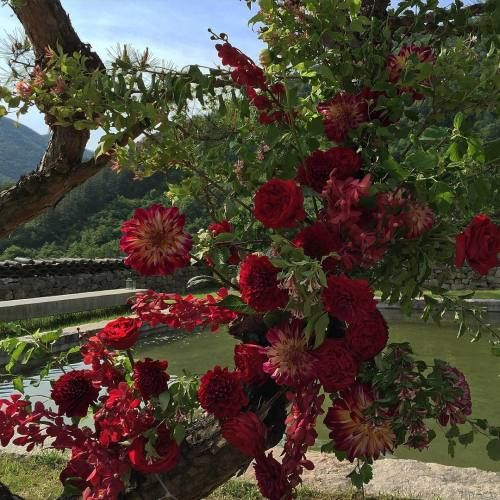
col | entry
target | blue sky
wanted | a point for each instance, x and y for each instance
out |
(174, 30)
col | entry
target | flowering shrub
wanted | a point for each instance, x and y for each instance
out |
(333, 195)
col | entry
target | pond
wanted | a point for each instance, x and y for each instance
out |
(197, 352)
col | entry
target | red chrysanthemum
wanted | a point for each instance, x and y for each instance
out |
(290, 362)
(279, 204)
(336, 368)
(343, 113)
(358, 434)
(271, 478)
(248, 359)
(221, 227)
(246, 432)
(74, 392)
(318, 239)
(418, 219)
(121, 333)
(221, 393)
(479, 244)
(342, 162)
(167, 451)
(155, 241)
(150, 377)
(348, 299)
(367, 336)
(259, 284)
(397, 64)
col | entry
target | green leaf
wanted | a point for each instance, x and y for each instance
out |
(179, 433)
(18, 384)
(467, 438)
(3, 111)
(164, 399)
(234, 303)
(458, 120)
(396, 170)
(320, 329)
(492, 151)
(493, 449)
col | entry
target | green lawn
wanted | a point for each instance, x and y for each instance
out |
(36, 477)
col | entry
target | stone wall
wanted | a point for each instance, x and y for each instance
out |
(44, 278)
(465, 278)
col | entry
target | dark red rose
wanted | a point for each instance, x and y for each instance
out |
(248, 359)
(318, 239)
(221, 393)
(272, 478)
(343, 162)
(259, 284)
(279, 204)
(479, 244)
(246, 432)
(336, 368)
(150, 377)
(221, 227)
(367, 336)
(348, 299)
(167, 449)
(121, 333)
(74, 392)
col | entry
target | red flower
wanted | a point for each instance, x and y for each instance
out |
(279, 204)
(24, 89)
(247, 433)
(479, 244)
(121, 333)
(418, 219)
(155, 241)
(259, 284)
(249, 359)
(150, 378)
(7, 425)
(231, 56)
(234, 256)
(336, 367)
(367, 336)
(318, 239)
(397, 64)
(221, 393)
(290, 362)
(74, 392)
(342, 162)
(348, 299)
(343, 113)
(271, 478)
(359, 434)
(166, 448)
(221, 227)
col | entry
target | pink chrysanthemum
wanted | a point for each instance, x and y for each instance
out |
(290, 362)
(418, 219)
(343, 113)
(155, 241)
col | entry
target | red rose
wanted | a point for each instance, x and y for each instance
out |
(348, 299)
(248, 359)
(166, 448)
(259, 284)
(479, 244)
(150, 378)
(74, 392)
(279, 204)
(121, 333)
(246, 432)
(343, 162)
(221, 393)
(221, 227)
(336, 366)
(367, 336)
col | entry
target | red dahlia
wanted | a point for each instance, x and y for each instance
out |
(479, 244)
(336, 368)
(343, 113)
(150, 378)
(166, 456)
(221, 227)
(367, 336)
(121, 333)
(155, 241)
(348, 299)
(398, 64)
(418, 219)
(249, 359)
(272, 478)
(318, 239)
(246, 432)
(259, 284)
(279, 204)
(342, 162)
(74, 392)
(221, 393)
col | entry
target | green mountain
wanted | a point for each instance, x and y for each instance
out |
(20, 150)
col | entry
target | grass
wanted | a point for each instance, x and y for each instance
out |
(36, 477)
